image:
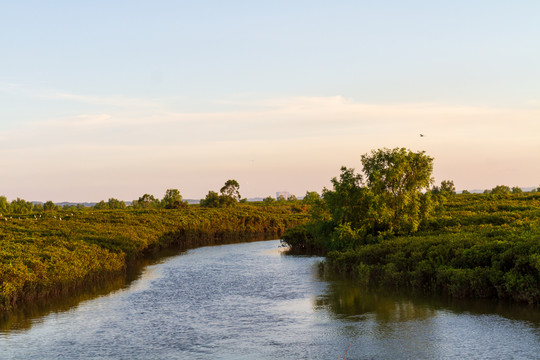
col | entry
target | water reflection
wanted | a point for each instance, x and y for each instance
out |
(31, 313)
(386, 324)
(347, 300)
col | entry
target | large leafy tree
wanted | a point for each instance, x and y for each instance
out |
(398, 179)
(390, 197)
(397, 171)
(393, 198)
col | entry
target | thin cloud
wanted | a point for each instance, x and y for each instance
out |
(299, 142)
(119, 101)
(294, 117)
(98, 120)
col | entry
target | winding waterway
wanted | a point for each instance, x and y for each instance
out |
(248, 301)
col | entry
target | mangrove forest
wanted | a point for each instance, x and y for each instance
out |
(390, 227)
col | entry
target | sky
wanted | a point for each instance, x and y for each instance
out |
(102, 99)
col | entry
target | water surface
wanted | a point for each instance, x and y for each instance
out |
(247, 301)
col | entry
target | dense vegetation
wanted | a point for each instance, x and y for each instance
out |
(390, 232)
(43, 253)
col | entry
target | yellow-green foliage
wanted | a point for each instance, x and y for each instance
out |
(40, 255)
(475, 246)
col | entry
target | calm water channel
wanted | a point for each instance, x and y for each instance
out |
(247, 301)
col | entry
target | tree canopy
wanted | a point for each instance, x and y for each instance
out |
(397, 171)
(146, 201)
(212, 199)
(230, 195)
(172, 199)
(447, 188)
(391, 200)
(231, 189)
(397, 178)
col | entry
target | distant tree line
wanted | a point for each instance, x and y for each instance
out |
(20, 206)
(348, 188)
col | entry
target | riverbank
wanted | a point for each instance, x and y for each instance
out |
(51, 254)
(473, 246)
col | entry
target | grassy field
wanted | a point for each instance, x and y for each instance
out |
(42, 254)
(473, 246)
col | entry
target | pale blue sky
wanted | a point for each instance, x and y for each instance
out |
(112, 98)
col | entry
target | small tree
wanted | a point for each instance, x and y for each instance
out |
(49, 206)
(172, 199)
(212, 199)
(311, 197)
(447, 187)
(231, 189)
(116, 204)
(146, 201)
(268, 200)
(516, 190)
(4, 205)
(21, 206)
(102, 205)
(500, 189)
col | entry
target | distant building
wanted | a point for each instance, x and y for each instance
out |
(285, 195)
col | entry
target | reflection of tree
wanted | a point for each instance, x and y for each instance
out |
(32, 312)
(25, 315)
(348, 300)
(376, 315)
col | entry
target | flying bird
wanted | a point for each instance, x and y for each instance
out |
(421, 135)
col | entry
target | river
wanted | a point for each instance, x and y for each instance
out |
(248, 301)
